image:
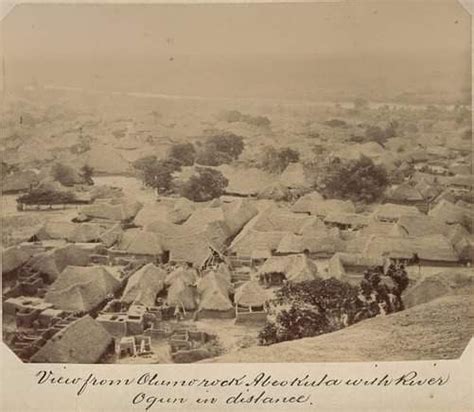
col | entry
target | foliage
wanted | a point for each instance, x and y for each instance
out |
(47, 197)
(86, 173)
(64, 174)
(233, 116)
(220, 148)
(357, 180)
(379, 134)
(277, 160)
(207, 184)
(184, 153)
(320, 306)
(159, 174)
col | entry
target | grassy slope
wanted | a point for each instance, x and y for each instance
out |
(440, 329)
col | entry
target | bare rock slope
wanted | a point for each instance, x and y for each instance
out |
(440, 329)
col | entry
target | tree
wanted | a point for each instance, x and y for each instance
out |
(320, 306)
(46, 197)
(86, 173)
(357, 180)
(219, 149)
(310, 308)
(184, 153)
(277, 160)
(207, 184)
(65, 175)
(159, 175)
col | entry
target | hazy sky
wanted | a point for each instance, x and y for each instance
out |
(349, 27)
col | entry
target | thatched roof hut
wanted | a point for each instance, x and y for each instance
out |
(275, 191)
(187, 275)
(450, 213)
(82, 288)
(296, 268)
(56, 230)
(436, 248)
(181, 211)
(389, 212)
(340, 261)
(19, 182)
(182, 295)
(250, 294)
(352, 220)
(403, 193)
(294, 176)
(143, 286)
(117, 209)
(84, 341)
(421, 225)
(323, 207)
(53, 262)
(305, 204)
(13, 258)
(111, 235)
(214, 293)
(86, 232)
(144, 243)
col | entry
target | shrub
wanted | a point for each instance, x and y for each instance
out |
(219, 149)
(277, 160)
(184, 153)
(356, 180)
(320, 306)
(47, 198)
(206, 185)
(65, 175)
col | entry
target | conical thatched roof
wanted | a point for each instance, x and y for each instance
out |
(53, 262)
(56, 230)
(143, 286)
(250, 294)
(117, 209)
(450, 213)
(305, 204)
(404, 192)
(112, 235)
(297, 268)
(187, 275)
(144, 243)
(181, 211)
(83, 341)
(275, 191)
(182, 295)
(81, 288)
(389, 211)
(294, 176)
(323, 207)
(20, 181)
(13, 258)
(214, 293)
(86, 232)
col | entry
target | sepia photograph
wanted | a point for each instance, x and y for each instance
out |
(237, 183)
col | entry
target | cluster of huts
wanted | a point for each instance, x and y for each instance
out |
(120, 273)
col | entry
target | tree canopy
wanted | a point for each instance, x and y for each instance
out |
(183, 153)
(207, 184)
(358, 180)
(320, 306)
(220, 148)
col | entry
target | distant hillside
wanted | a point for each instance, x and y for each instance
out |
(440, 329)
